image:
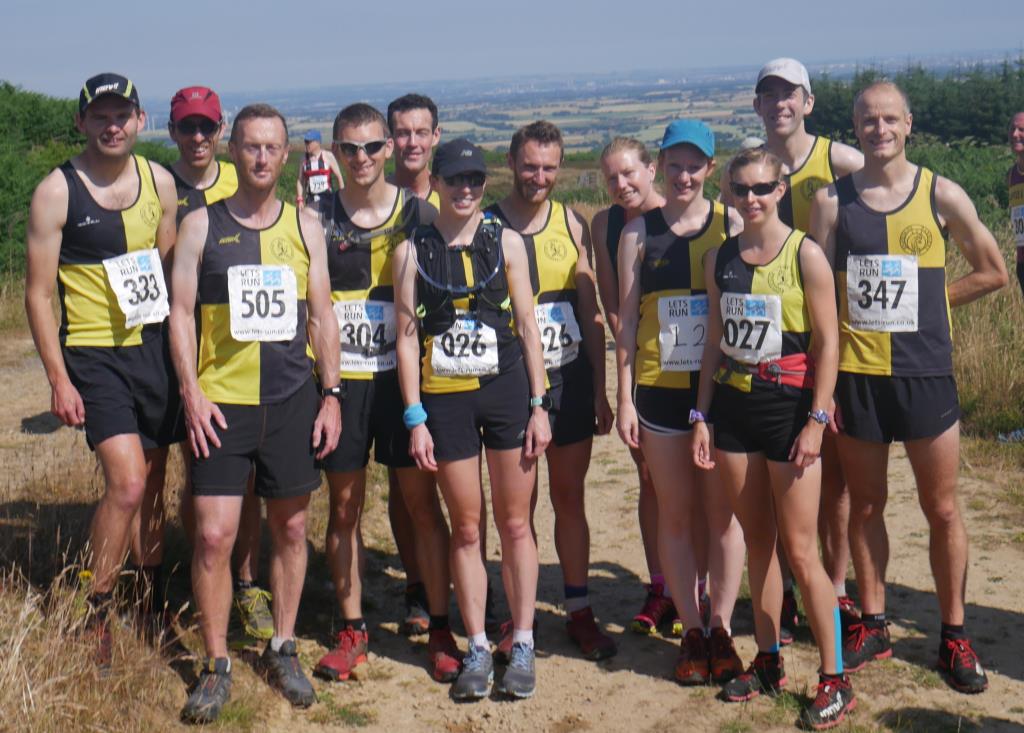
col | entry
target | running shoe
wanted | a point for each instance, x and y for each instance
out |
(252, 605)
(98, 631)
(477, 675)
(520, 678)
(417, 619)
(445, 657)
(848, 614)
(210, 693)
(725, 662)
(348, 653)
(692, 665)
(284, 672)
(828, 709)
(655, 609)
(503, 650)
(790, 619)
(584, 632)
(765, 675)
(864, 644)
(1014, 436)
(959, 665)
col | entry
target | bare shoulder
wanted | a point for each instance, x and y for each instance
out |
(600, 221)
(846, 159)
(161, 176)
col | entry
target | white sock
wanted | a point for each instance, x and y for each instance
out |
(480, 640)
(840, 589)
(276, 642)
(576, 604)
(523, 636)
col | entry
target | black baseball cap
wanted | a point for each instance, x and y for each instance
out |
(103, 84)
(458, 156)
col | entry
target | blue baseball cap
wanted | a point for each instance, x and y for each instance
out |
(693, 132)
(312, 135)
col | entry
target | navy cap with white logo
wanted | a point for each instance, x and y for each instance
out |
(458, 156)
(103, 84)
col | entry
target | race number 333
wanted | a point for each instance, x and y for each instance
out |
(882, 292)
(137, 279)
(263, 301)
(751, 327)
(469, 348)
(682, 327)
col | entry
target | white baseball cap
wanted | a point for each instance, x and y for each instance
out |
(788, 69)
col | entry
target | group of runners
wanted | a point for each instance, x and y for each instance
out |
(800, 324)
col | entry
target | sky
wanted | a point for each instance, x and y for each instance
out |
(52, 47)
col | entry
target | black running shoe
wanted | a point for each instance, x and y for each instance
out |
(959, 665)
(834, 700)
(283, 670)
(764, 675)
(864, 644)
(210, 693)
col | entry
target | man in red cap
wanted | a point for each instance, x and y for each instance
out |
(196, 127)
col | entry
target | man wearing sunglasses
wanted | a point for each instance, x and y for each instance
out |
(313, 186)
(413, 122)
(565, 304)
(884, 229)
(365, 221)
(101, 226)
(196, 126)
(783, 99)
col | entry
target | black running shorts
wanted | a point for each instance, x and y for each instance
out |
(765, 420)
(663, 410)
(495, 415)
(128, 389)
(886, 409)
(276, 439)
(572, 413)
(371, 413)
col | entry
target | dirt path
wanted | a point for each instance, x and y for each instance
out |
(631, 692)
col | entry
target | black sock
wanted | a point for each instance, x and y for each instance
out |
(355, 623)
(438, 622)
(874, 619)
(824, 677)
(953, 631)
(773, 656)
(415, 592)
(99, 603)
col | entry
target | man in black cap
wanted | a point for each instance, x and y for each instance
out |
(102, 224)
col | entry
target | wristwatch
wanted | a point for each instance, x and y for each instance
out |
(338, 392)
(819, 416)
(544, 402)
(697, 416)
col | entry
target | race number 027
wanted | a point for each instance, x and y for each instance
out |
(733, 329)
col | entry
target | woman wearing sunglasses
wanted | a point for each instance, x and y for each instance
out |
(458, 284)
(770, 366)
(663, 309)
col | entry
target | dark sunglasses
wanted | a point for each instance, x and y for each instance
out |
(350, 149)
(461, 180)
(759, 189)
(204, 125)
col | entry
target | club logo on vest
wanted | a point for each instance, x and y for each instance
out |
(915, 239)
(150, 213)
(779, 281)
(810, 187)
(555, 249)
(281, 249)
(233, 239)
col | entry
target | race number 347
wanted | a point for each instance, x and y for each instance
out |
(882, 292)
(263, 301)
(137, 279)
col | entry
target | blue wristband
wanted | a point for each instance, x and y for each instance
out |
(414, 415)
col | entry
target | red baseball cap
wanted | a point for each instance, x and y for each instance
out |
(201, 101)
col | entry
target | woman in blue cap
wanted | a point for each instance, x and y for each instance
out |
(663, 310)
(768, 374)
(470, 380)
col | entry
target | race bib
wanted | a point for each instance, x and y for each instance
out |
(882, 292)
(318, 184)
(559, 333)
(752, 327)
(137, 279)
(682, 326)
(263, 301)
(1017, 224)
(368, 335)
(469, 348)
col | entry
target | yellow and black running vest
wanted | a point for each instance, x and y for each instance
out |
(552, 255)
(673, 300)
(891, 282)
(764, 309)
(89, 310)
(616, 223)
(816, 172)
(362, 288)
(434, 199)
(474, 327)
(252, 372)
(1016, 181)
(191, 198)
